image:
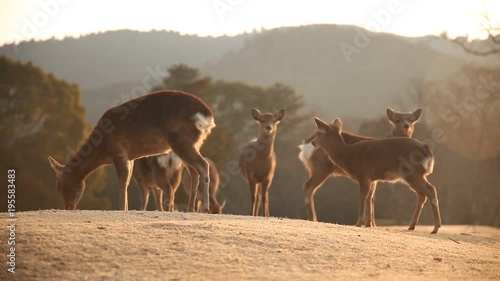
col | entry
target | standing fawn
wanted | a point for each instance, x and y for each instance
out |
(390, 159)
(215, 206)
(149, 125)
(257, 159)
(320, 167)
(160, 174)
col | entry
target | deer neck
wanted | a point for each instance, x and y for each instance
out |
(85, 161)
(394, 133)
(338, 151)
(266, 142)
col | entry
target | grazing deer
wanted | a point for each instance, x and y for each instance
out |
(320, 167)
(161, 173)
(215, 206)
(257, 159)
(149, 125)
(390, 159)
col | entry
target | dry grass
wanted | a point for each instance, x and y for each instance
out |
(136, 245)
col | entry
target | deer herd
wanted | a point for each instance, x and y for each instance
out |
(156, 139)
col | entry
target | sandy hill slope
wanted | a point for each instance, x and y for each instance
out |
(136, 245)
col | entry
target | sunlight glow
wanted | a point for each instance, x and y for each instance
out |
(43, 19)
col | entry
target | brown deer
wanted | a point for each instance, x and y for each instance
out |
(320, 167)
(160, 174)
(390, 159)
(215, 206)
(257, 159)
(149, 125)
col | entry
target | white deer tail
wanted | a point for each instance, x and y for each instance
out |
(428, 161)
(203, 123)
(306, 150)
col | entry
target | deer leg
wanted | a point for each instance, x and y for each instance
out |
(259, 199)
(215, 206)
(174, 183)
(144, 194)
(363, 193)
(373, 189)
(199, 170)
(124, 169)
(193, 196)
(436, 214)
(198, 206)
(171, 207)
(420, 184)
(203, 194)
(158, 195)
(368, 204)
(310, 188)
(418, 210)
(265, 197)
(254, 196)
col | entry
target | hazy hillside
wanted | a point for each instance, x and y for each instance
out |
(107, 58)
(310, 59)
(97, 100)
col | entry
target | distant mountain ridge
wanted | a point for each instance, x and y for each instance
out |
(120, 56)
(308, 58)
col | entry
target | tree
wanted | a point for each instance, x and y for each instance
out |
(40, 115)
(491, 46)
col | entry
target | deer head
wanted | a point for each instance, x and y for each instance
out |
(217, 208)
(403, 122)
(323, 136)
(268, 122)
(70, 189)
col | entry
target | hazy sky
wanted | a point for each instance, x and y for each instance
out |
(41, 19)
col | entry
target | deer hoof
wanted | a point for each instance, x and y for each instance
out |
(436, 228)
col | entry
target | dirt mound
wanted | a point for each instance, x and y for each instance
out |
(146, 245)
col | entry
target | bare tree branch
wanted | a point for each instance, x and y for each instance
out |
(476, 52)
(488, 27)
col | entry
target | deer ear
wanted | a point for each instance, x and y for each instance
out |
(415, 116)
(58, 168)
(389, 112)
(280, 114)
(337, 123)
(322, 125)
(256, 114)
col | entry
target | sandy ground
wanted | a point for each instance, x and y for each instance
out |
(137, 245)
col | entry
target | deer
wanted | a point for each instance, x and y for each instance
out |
(320, 167)
(257, 159)
(160, 174)
(149, 125)
(391, 159)
(215, 206)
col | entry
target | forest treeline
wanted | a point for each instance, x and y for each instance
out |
(42, 115)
